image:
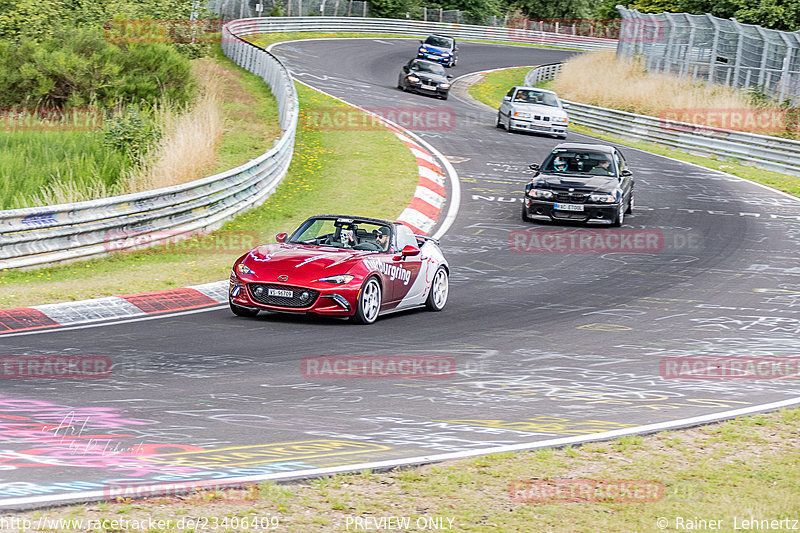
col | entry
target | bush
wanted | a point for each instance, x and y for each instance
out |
(150, 72)
(130, 131)
(79, 68)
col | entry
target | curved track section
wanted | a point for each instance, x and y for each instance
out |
(547, 344)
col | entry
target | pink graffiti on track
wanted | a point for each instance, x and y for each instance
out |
(67, 437)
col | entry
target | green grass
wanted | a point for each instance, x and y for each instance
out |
(368, 173)
(705, 478)
(496, 84)
(491, 90)
(33, 160)
(252, 114)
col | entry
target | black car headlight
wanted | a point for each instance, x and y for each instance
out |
(444, 85)
(413, 79)
(602, 198)
(544, 194)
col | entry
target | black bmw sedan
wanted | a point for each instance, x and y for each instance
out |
(580, 182)
(425, 77)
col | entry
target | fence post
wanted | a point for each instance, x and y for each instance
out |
(737, 66)
(714, 44)
(688, 57)
(764, 55)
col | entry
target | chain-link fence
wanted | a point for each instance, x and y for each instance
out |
(714, 49)
(238, 9)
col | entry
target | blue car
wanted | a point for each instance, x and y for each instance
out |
(439, 48)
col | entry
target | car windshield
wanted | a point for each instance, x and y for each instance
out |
(423, 66)
(579, 162)
(343, 233)
(530, 96)
(442, 42)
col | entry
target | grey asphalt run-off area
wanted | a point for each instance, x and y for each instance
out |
(549, 346)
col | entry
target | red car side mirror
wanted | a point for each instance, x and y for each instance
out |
(407, 251)
(281, 237)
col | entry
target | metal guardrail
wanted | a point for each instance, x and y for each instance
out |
(542, 73)
(422, 28)
(41, 235)
(762, 151)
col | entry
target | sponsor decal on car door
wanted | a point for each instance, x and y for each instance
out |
(398, 276)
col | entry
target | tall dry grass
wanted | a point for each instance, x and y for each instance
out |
(188, 146)
(186, 151)
(598, 78)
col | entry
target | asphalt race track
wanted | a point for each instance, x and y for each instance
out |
(548, 343)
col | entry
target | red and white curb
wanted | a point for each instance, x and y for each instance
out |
(430, 195)
(47, 316)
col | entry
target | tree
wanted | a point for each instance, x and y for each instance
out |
(776, 14)
(547, 9)
(393, 9)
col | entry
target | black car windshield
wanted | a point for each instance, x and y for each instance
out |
(442, 42)
(424, 66)
(343, 233)
(530, 96)
(579, 162)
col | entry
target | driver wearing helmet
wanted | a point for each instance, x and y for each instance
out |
(560, 164)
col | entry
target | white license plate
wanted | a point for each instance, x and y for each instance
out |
(283, 293)
(569, 207)
(429, 87)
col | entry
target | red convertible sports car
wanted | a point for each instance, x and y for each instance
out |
(343, 267)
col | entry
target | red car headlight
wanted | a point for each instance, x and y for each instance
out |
(338, 280)
(241, 268)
